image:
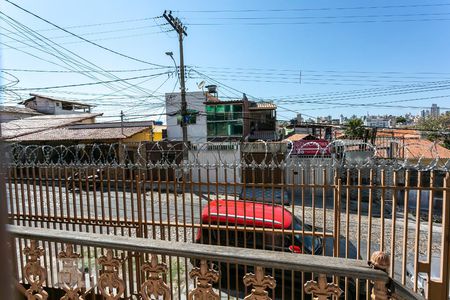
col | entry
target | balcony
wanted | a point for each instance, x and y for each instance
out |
(137, 211)
(57, 264)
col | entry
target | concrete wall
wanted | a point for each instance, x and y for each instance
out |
(309, 170)
(196, 132)
(202, 155)
(42, 105)
(50, 107)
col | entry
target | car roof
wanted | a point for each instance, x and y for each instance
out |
(246, 213)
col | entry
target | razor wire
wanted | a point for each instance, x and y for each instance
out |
(210, 155)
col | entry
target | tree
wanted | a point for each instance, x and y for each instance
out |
(400, 120)
(436, 128)
(355, 128)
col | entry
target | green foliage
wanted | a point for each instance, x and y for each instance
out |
(446, 143)
(400, 120)
(436, 128)
(355, 128)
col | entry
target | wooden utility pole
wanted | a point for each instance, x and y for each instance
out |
(181, 30)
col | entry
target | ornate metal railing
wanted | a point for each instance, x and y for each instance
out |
(87, 264)
(399, 207)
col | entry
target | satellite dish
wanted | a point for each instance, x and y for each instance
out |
(201, 85)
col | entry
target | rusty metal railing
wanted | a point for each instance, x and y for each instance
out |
(350, 210)
(199, 272)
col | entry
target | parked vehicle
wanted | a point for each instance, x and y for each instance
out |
(256, 225)
(422, 277)
(265, 195)
(87, 178)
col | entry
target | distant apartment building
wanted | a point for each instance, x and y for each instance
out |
(434, 111)
(324, 120)
(424, 113)
(378, 121)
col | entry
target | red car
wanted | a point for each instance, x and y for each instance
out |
(247, 215)
(256, 225)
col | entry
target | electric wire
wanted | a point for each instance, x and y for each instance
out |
(82, 38)
(316, 9)
(70, 63)
(317, 23)
(72, 52)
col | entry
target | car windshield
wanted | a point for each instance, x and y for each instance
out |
(307, 240)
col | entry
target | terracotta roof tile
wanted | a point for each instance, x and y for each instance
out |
(417, 148)
(296, 137)
(404, 133)
(71, 134)
(41, 123)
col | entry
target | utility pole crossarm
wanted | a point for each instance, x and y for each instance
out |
(175, 23)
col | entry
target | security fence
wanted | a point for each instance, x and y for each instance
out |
(261, 196)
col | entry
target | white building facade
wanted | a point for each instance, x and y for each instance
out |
(376, 121)
(53, 106)
(195, 103)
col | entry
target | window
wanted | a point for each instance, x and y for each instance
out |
(210, 112)
(67, 106)
(221, 129)
(226, 128)
(224, 120)
(220, 113)
(236, 128)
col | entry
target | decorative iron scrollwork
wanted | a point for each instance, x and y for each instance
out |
(111, 286)
(260, 283)
(204, 277)
(380, 261)
(34, 272)
(155, 285)
(321, 289)
(70, 278)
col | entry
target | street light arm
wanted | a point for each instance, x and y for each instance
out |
(175, 64)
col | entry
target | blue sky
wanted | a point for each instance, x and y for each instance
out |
(326, 58)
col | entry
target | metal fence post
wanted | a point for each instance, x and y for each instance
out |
(337, 214)
(439, 289)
